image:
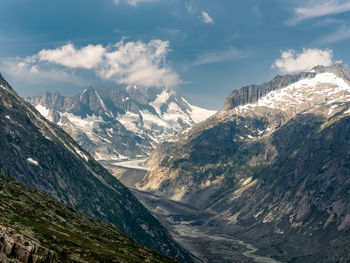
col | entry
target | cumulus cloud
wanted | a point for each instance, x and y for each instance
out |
(139, 63)
(67, 55)
(224, 55)
(319, 8)
(291, 61)
(136, 63)
(206, 18)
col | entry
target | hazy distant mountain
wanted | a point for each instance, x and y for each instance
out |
(39, 154)
(274, 164)
(120, 122)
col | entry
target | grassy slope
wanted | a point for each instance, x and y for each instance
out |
(70, 234)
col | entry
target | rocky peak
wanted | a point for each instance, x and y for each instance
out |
(252, 93)
(336, 69)
(120, 122)
(3, 82)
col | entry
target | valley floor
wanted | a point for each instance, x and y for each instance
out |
(187, 225)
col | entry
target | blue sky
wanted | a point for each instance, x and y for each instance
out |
(202, 48)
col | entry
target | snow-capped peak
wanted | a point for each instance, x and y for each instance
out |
(121, 122)
(304, 94)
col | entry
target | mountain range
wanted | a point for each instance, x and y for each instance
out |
(39, 154)
(270, 170)
(120, 123)
(273, 165)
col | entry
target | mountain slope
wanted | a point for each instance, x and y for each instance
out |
(36, 228)
(41, 155)
(273, 164)
(120, 123)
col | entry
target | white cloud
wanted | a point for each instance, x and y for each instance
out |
(206, 18)
(258, 14)
(136, 63)
(133, 2)
(319, 8)
(189, 8)
(341, 34)
(31, 73)
(67, 55)
(139, 63)
(291, 61)
(212, 57)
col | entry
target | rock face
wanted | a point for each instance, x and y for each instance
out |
(41, 155)
(120, 123)
(273, 164)
(15, 247)
(35, 228)
(252, 93)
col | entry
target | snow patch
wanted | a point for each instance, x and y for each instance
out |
(346, 112)
(331, 109)
(110, 114)
(130, 121)
(161, 99)
(303, 94)
(86, 125)
(32, 161)
(149, 120)
(199, 114)
(81, 154)
(44, 111)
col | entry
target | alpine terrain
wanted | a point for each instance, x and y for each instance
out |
(39, 154)
(272, 167)
(36, 228)
(120, 123)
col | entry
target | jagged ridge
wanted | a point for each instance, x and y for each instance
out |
(120, 122)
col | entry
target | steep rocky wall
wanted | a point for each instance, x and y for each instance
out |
(15, 247)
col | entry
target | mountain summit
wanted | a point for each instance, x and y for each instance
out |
(120, 122)
(273, 164)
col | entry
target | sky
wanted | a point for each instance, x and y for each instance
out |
(203, 49)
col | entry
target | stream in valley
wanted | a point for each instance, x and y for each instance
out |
(186, 224)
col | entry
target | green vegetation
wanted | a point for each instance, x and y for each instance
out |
(73, 236)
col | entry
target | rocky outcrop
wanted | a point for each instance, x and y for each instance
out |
(14, 247)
